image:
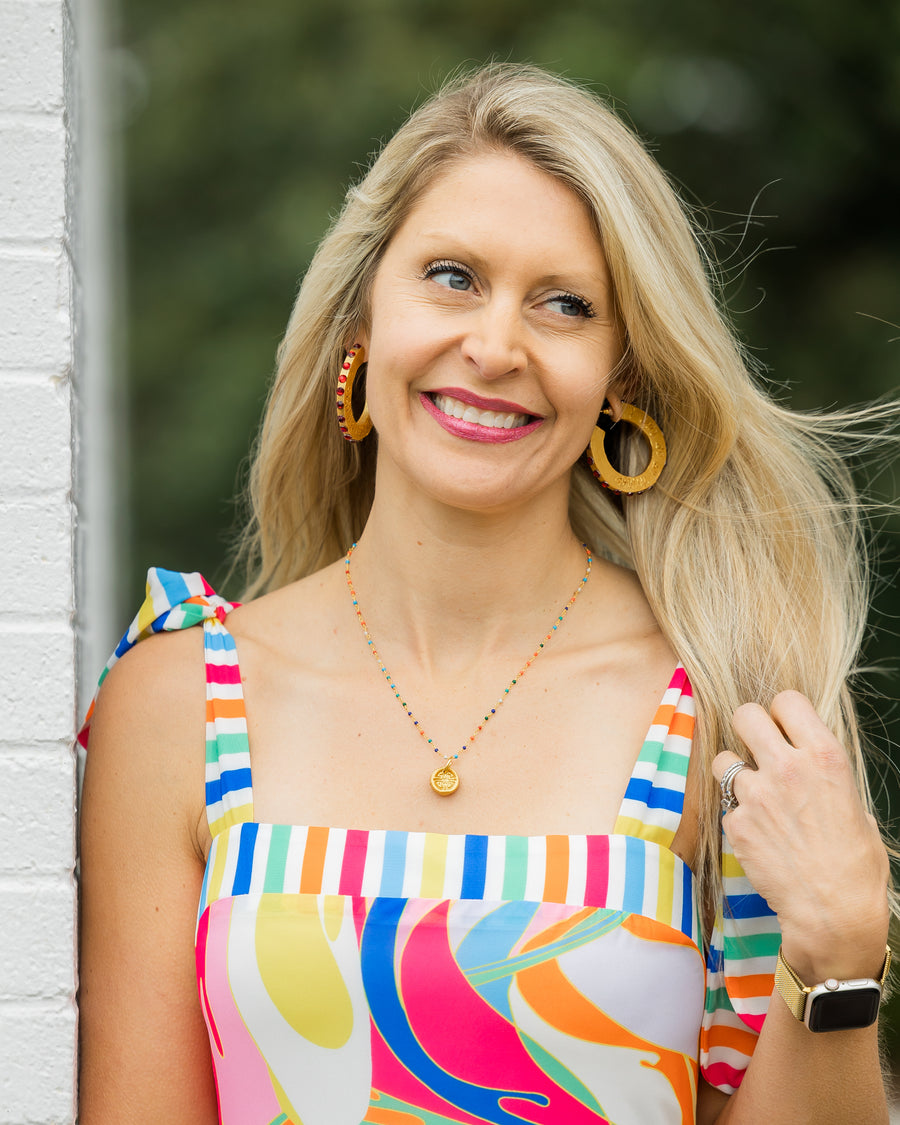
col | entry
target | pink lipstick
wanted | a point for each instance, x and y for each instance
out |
(472, 430)
(499, 405)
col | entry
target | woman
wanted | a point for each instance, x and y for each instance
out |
(480, 926)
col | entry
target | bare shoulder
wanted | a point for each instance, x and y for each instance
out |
(147, 733)
(165, 666)
(313, 607)
(159, 684)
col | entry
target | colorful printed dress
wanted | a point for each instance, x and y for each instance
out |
(412, 978)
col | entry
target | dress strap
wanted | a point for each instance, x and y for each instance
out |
(174, 601)
(229, 791)
(654, 799)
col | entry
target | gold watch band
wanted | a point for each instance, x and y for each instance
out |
(794, 992)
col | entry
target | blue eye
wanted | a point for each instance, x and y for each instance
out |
(449, 274)
(570, 305)
(455, 280)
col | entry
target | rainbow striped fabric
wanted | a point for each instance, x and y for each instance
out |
(741, 959)
(414, 978)
(622, 873)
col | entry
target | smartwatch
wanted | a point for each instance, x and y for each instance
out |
(834, 1005)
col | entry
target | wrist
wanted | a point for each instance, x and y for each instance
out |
(845, 955)
(835, 1004)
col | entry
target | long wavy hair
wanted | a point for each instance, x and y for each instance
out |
(749, 549)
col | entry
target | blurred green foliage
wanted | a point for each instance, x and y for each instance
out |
(243, 123)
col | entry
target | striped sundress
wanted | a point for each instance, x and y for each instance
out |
(414, 978)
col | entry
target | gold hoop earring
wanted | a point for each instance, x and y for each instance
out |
(353, 429)
(612, 479)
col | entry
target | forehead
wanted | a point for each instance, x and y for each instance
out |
(503, 202)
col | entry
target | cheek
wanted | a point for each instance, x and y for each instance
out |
(404, 345)
(393, 365)
(586, 387)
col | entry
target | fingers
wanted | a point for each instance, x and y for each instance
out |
(802, 727)
(757, 729)
(721, 762)
(722, 765)
(774, 739)
(790, 726)
(803, 836)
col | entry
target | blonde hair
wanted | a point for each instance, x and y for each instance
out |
(749, 548)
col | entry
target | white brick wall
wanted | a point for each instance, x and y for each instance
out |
(37, 665)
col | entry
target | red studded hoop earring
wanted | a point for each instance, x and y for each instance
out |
(353, 429)
(603, 470)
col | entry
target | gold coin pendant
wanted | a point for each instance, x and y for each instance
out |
(445, 780)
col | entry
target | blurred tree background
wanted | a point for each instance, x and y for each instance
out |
(244, 123)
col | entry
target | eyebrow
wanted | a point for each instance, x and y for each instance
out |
(453, 247)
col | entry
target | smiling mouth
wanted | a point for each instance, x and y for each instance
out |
(491, 419)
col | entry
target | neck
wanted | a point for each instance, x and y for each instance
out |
(452, 588)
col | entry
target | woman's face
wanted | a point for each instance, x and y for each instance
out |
(491, 339)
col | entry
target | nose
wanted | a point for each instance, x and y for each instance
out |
(494, 341)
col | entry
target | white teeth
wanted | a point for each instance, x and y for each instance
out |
(456, 409)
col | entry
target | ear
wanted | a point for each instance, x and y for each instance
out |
(359, 337)
(615, 405)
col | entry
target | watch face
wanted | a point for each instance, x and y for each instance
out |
(843, 1009)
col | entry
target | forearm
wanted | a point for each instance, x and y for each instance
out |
(797, 1076)
(811, 849)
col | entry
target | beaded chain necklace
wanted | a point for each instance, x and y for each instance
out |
(445, 779)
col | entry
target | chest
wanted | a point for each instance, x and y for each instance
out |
(369, 944)
(553, 755)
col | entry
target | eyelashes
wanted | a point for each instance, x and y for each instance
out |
(446, 266)
(587, 309)
(443, 266)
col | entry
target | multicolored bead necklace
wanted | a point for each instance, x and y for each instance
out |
(445, 779)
